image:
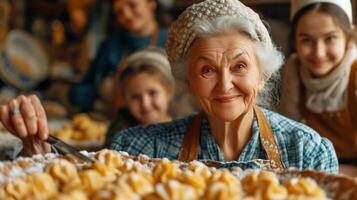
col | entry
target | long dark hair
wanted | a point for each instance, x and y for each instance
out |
(337, 13)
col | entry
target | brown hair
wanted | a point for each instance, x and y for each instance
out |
(333, 10)
(141, 68)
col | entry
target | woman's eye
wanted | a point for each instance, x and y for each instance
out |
(331, 38)
(239, 67)
(305, 40)
(208, 71)
(153, 92)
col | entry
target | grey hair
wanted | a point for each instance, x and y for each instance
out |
(269, 57)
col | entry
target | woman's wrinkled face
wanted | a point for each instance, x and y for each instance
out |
(134, 15)
(223, 75)
(320, 43)
(147, 98)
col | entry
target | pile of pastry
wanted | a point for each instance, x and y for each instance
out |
(117, 175)
(82, 128)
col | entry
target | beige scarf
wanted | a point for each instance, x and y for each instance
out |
(326, 94)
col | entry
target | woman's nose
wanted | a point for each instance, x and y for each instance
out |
(225, 81)
(320, 49)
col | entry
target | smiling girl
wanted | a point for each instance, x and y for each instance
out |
(319, 79)
(147, 88)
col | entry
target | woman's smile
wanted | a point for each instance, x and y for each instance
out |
(226, 98)
(318, 62)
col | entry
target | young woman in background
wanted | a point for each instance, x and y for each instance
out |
(319, 78)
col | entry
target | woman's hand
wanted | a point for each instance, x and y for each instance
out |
(25, 118)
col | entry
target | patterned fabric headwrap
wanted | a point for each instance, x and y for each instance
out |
(181, 33)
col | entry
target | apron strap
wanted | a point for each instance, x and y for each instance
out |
(268, 141)
(189, 146)
(352, 102)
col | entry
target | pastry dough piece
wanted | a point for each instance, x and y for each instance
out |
(110, 158)
(17, 189)
(81, 121)
(91, 181)
(78, 135)
(140, 183)
(166, 170)
(108, 173)
(71, 184)
(269, 187)
(125, 189)
(82, 128)
(63, 171)
(42, 186)
(271, 191)
(223, 185)
(200, 169)
(24, 163)
(224, 176)
(3, 194)
(250, 198)
(250, 183)
(76, 194)
(94, 131)
(305, 187)
(194, 180)
(114, 194)
(263, 185)
(219, 191)
(143, 159)
(178, 190)
(266, 177)
(65, 133)
(173, 190)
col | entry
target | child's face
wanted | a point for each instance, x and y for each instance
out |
(320, 43)
(134, 15)
(147, 98)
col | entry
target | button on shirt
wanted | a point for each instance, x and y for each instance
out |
(300, 146)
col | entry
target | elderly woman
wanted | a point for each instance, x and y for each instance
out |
(225, 53)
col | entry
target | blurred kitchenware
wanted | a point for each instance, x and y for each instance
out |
(23, 62)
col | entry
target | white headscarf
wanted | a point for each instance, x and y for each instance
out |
(297, 5)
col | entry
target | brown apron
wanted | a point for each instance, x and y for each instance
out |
(189, 146)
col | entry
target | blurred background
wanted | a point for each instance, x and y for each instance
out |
(48, 46)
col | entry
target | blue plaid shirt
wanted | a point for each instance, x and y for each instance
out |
(300, 146)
